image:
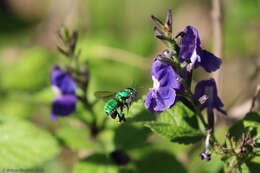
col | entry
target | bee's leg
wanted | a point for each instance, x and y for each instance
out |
(114, 114)
(121, 114)
(127, 107)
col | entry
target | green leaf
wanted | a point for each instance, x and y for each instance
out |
(178, 124)
(243, 168)
(23, 145)
(158, 161)
(251, 120)
(96, 163)
(131, 137)
(74, 137)
(250, 124)
(253, 166)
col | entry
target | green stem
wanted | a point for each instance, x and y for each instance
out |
(176, 66)
(197, 108)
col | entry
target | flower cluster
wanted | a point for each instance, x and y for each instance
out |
(183, 58)
(172, 74)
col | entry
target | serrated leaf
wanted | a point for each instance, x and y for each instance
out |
(75, 138)
(96, 163)
(178, 124)
(23, 145)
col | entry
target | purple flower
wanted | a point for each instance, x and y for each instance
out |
(191, 51)
(65, 89)
(206, 94)
(162, 96)
(205, 154)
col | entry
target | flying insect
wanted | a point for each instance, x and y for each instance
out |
(116, 101)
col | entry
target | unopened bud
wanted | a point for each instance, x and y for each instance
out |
(168, 21)
(158, 33)
(157, 21)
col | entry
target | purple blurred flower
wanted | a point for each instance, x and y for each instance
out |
(162, 96)
(206, 94)
(65, 89)
(191, 51)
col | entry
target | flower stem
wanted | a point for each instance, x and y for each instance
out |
(197, 108)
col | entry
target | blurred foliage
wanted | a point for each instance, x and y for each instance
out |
(116, 39)
(23, 145)
(241, 28)
(28, 72)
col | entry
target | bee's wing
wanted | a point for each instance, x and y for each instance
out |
(105, 95)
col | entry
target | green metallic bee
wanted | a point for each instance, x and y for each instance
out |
(117, 101)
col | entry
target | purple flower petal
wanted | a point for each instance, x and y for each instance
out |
(190, 42)
(165, 98)
(62, 81)
(65, 102)
(209, 88)
(63, 105)
(150, 101)
(160, 100)
(191, 52)
(209, 61)
(165, 74)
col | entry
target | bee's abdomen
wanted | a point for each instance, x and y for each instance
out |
(111, 106)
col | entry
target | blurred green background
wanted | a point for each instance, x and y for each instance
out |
(116, 38)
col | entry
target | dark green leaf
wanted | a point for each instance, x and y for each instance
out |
(178, 124)
(130, 137)
(253, 166)
(159, 161)
(251, 120)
